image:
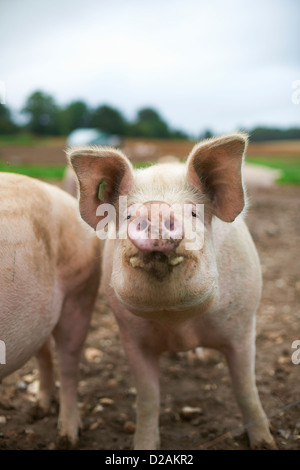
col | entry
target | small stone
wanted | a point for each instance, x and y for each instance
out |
(122, 417)
(190, 412)
(94, 426)
(93, 355)
(132, 391)
(29, 431)
(28, 378)
(2, 420)
(98, 408)
(21, 385)
(33, 387)
(112, 383)
(51, 446)
(284, 433)
(106, 401)
(129, 427)
(284, 360)
(209, 387)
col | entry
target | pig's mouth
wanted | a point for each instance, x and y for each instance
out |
(156, 263)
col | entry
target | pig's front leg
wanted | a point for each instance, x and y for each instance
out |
(241, 362)
(144, 365)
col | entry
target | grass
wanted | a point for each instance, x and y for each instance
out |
(54, 172)
(46, 172)
(27, 139)
(289, 167)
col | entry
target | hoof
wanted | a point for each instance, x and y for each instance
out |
(38, 412)
(64, 443)
(264, 445)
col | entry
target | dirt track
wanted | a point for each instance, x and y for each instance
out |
(186, 380)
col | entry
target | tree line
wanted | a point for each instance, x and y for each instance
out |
(46, 118)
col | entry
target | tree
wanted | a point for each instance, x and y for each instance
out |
(109, 120)
(7, 126)
(43, 114)
(207, 134)
(149, 124)
(261, 134)
(74, 116)
(148, 115)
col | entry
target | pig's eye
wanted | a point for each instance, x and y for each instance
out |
(194, 214)
(128, 217)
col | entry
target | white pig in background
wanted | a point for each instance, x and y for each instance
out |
(49, 280)
(166, 293)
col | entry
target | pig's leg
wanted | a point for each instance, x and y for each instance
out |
(47, 384)
(241, 362)
(70, 334)
(144, 364)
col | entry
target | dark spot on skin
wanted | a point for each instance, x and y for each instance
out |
(42, 234)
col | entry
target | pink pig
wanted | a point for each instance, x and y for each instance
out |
(166, 294)
(49, 281)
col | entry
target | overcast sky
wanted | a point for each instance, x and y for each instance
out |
(219, 64)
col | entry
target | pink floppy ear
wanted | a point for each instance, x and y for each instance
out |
(214, 168)
(103, 174)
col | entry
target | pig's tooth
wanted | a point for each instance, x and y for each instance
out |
(136, 262)
(176, 260)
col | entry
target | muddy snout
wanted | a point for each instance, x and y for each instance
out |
(155, 228)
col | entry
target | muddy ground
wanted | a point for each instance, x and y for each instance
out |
(106, 388)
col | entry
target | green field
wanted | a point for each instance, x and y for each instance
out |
(35, 171)
(290, 167)
(26, 139)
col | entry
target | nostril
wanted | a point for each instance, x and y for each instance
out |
(143, 225)
(169, 224)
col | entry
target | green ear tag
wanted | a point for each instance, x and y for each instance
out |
(101, 190)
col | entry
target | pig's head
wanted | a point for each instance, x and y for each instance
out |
(163, 256)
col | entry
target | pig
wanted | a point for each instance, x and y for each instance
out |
(166, 294)
(49, 279)
(69, 182)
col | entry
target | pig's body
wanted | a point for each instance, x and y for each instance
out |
(167, 294)
(48, 283)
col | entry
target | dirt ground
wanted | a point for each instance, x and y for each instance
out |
(106, 388)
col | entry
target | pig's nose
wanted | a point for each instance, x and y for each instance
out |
(155, 228)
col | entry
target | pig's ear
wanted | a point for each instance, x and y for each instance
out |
(103, 174)
(214, 167)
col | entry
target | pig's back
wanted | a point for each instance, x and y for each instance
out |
(30, 289)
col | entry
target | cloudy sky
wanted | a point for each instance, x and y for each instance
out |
(202, 63)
